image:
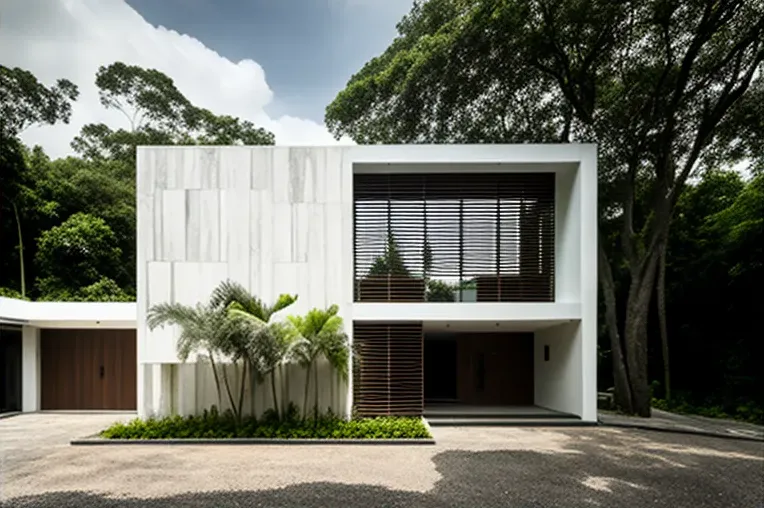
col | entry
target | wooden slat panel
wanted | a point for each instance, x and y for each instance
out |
(71, 362)
(387, 375)
(491, 234)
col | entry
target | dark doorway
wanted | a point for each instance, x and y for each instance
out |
(10, 369)
(440, 369)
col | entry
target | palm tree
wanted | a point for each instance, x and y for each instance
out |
(321, 334)
(268, 345)
(203, 328)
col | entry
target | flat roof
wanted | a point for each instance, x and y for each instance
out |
(75, 314)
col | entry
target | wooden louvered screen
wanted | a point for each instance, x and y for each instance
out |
(454, 237)
(387, 372)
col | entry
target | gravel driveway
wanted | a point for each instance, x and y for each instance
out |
(471, 467)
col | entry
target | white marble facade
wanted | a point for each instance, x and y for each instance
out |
(273, 219)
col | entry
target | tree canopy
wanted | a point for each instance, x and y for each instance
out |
(157, 114)
(55, 210)
(665, 88)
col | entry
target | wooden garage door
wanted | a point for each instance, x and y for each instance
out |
(88, 369)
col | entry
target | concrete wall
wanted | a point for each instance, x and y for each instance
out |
(560, 383)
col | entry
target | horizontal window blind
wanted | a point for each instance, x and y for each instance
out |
(387, 372)
(454, 237)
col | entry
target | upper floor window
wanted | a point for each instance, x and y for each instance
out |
(455, 237)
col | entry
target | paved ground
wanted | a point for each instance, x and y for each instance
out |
(471, 467)
(663, 420)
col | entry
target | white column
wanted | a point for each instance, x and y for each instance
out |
(144, 391)
(30, 369)
(588, 258)
(185, 388)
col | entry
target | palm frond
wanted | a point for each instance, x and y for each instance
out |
(163, 314)
(230, 291)
(283, 301)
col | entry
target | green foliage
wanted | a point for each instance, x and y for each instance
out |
(104, 290)
(158, 114)
(24, 101)
(439, 291)
(142, 95)
(230, 293)
(714, 275)
(12, 293)
(212, 425)
(665, 89)
(320, 335)
(203, 328)
(745, 411)
(100, 183)
(391, 262)
(76, 255)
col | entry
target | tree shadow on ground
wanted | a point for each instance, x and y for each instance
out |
(589, 473)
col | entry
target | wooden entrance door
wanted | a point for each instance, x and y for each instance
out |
(88, 369)
(495, 369)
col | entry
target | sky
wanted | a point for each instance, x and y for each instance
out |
(277, 63)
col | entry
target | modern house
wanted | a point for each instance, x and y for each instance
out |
(465, 274)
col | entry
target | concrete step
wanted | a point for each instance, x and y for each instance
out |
(535, 415)
(568, 421)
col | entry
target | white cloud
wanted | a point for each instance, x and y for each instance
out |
(72, 38)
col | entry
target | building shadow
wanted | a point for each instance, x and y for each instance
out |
(586, 474)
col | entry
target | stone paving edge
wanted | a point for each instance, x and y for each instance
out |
(704, 433)
(99, 441)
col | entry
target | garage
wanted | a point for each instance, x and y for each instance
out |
(88, 369)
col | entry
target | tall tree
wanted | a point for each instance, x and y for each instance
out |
(663, 87)
(713, 271)
(157, 113)
(24, 102)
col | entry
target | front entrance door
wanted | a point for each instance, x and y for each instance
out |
(495, 369)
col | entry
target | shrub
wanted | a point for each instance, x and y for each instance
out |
(747, 412)
(212, 424)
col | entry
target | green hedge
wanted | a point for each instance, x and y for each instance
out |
(212, 425)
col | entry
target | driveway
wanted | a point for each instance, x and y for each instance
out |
(471, 467)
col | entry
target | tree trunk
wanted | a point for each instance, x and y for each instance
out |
(217, 379)
(662, 324)
(21, 251)
(252, 389)
(273, 393)
(635, 332)
(241, 390)
(622, 396)
(284, 391)
(307, 391)
(228, 390)
(315, 402)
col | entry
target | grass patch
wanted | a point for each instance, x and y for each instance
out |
(212, 425)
